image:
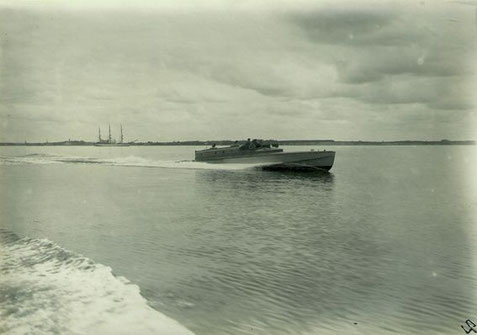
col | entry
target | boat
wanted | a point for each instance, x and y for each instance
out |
(111, 142)
(268, 156)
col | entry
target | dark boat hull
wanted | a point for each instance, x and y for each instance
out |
(297, 161)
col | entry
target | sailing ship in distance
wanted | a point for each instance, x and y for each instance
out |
(110, 142)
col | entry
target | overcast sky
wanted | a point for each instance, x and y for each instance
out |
(178, 70)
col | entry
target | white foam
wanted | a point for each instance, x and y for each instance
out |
(27, 159)
(139, 161)
(129, 161)
(49, 290)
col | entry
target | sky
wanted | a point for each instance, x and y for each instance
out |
(197, 70)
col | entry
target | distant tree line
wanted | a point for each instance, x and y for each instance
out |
(230, 142)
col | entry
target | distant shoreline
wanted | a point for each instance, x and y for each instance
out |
(229, 142)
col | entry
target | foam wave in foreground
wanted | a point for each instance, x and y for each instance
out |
(46, 289)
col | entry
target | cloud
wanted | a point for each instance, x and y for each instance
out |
(369, 43)
(348, 26)
(264, 70)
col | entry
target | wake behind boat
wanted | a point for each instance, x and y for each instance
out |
(268, 156)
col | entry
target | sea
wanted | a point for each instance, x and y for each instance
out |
(142, 240)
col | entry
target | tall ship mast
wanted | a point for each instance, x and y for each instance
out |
(110, 142)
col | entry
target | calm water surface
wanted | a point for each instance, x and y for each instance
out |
(385, 243)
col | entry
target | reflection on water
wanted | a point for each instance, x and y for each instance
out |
(386, 250)
(264, 179)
